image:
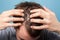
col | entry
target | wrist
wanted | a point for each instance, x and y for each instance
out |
(57, 28)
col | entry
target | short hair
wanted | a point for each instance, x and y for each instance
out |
(27, 6)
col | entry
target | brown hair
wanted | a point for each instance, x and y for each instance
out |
(27, 6)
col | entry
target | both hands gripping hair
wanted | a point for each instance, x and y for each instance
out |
(27, 6)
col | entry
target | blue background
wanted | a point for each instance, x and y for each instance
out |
(53, 5)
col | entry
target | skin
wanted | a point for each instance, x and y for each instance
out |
(5, 18)
(49, 21)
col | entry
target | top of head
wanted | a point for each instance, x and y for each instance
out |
(28, 5)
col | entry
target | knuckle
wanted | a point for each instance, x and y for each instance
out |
(49, 22)
(47, 26)
(5, 19)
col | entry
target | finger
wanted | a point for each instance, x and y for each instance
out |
(35, 15)
(16, 14)
(49, 11)
(8, 19)
(40, 27)
(12, 25)
(16, 19)
(35, 10)
(19, 10)
(13, 12)
(46, 9)
(37, 20)
(45, 14)
(45, 21)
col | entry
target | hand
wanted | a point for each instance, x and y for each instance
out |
(5, 18)
(49, 20)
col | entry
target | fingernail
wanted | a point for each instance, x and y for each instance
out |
(30, 16)
(31, 11)
(31, 26)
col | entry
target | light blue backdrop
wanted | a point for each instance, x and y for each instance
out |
(53, 5)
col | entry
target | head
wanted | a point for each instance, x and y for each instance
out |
(27, 6)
